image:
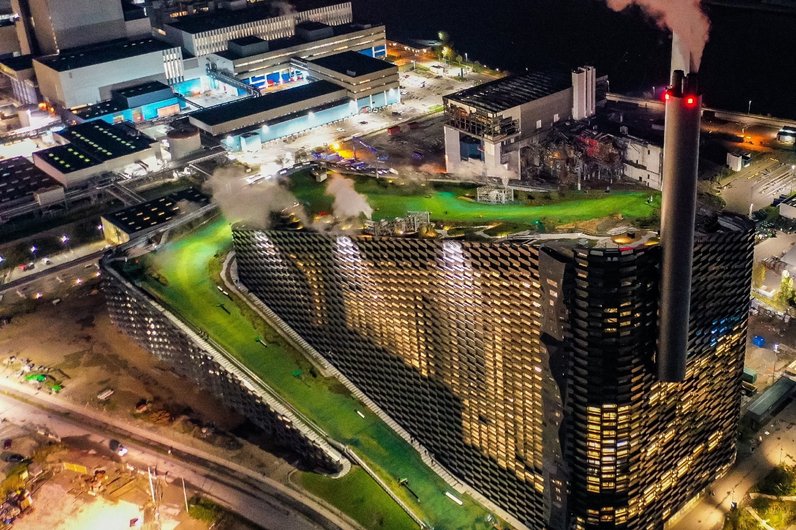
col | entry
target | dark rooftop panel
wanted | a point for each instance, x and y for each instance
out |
(99, 109)
(768, 401)
(144, 88)
(102, 53)
(18, 63)
(19, 178)
(104, 141)
(245, 41)
(311, 25)
(508, 92)
(67, 158)
(157, 211)
(200, 23)
(246, 107)
(355, 62)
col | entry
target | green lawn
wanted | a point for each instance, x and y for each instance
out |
(446, 203)
(353, 493)
(183, 267)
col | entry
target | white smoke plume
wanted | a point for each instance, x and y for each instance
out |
(250, 203)
(283, 8)
(683, 17)
(348, 202)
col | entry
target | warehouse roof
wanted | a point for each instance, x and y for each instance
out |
(246, 107)
(104, 141)
(18, 63)
(512, 91)
(354, 64)
(98, 109)
(67, 158)
(245, 41)
(143, 88)
(104, 52)
(19, 178)
(157, 211)
(221, 19)
(294, 40)
(769, 401)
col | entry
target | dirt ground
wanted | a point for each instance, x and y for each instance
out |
(76, 343)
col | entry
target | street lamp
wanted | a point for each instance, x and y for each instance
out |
(33, 250)
(65, 241)
(465, 58)
(749, 108)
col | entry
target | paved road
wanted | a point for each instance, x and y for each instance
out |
(779, 445)
(257, 498)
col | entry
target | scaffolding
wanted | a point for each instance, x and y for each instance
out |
(495, 195)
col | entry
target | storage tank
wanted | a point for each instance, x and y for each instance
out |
(183, 142)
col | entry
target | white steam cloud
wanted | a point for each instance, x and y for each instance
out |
(250, 204)
(283, 8)
(348, 202)
(685, 18)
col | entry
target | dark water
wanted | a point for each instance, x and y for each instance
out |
(750, 55)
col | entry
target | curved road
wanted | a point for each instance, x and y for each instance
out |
(263, 501)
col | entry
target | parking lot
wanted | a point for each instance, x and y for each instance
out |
(764, 180)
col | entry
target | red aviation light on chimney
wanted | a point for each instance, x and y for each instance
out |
(690, 101)
(667, 95)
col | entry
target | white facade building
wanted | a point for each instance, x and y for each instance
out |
(584, 92)
(50, 26)
(643, 162)
(87, 76)
(209, 33)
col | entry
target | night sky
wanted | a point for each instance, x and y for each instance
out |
(751, 54)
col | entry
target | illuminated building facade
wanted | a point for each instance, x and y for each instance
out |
(527, 367)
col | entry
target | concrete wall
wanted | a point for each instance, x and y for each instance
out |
(92, 84)
(137, 28)
(787, 210)
(62, 24)
(644, 163)
(9, 42)
(544, 110)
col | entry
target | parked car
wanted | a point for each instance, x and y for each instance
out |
(13, 457)
(118, 448)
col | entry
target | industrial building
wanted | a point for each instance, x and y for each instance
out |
(92, 148)
(262, 63)
(22, 182)
(49, 26)
(488, 125)
(119, 227)
(206, 33)
(643, 162)
(148, 101)
(571, 379)
(528, 368)
(338, 86)
(87, 75)
(19, 72)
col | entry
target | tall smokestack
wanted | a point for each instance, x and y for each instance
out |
(678, 212)
(681, 56)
